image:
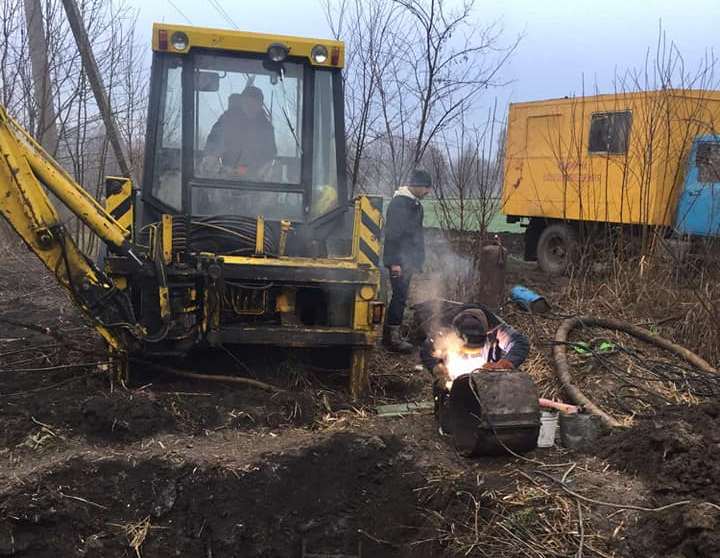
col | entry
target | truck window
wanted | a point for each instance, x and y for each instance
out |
(325, 175)
(609, 132)
(708, 162)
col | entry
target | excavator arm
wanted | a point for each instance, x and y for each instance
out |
(27, 173)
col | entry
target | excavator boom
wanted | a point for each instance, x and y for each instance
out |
(26, 171)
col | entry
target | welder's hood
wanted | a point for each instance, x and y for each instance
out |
(472, 325)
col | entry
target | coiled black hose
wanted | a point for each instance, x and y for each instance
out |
(226, 234)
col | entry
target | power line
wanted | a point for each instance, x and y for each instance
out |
(178, 10)
(223, 14)
(230, 19)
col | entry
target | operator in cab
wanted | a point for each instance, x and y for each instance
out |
(242, 141)
(404, 251)
(473, 338)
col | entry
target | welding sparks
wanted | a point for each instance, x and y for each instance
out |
(458, 359)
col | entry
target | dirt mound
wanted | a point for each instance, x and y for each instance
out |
(344, 491)
(677, 453)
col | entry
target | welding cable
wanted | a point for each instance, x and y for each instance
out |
(562, 368)
(694, 381)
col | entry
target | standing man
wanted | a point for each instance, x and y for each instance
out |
(404, 252)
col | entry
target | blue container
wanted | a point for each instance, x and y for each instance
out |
(529, 300)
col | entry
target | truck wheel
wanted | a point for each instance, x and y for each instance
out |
(532, 235)
(557, 248)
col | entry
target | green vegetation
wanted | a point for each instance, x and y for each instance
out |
(497, 224)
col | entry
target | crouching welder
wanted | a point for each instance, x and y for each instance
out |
(468, 339)
(404, 252)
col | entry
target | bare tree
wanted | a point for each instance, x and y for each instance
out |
(468, 192)
(452, 62)
(82, 140)
(46, 131)
(369, 28)
(413, 68)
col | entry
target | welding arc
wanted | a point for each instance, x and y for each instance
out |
(562, 368)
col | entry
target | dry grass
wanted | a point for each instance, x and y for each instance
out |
(520, 513)
(136, 533)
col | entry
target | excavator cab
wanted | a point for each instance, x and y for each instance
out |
(244, 124)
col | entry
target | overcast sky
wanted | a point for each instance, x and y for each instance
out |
(562, 40)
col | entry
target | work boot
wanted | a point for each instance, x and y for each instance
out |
(396, 343)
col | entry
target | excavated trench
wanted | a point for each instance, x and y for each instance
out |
(345, 491)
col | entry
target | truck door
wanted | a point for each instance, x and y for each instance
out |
(698, 211)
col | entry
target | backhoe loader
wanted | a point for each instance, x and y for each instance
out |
(242, 231)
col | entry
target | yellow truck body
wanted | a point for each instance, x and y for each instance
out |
(561, 162)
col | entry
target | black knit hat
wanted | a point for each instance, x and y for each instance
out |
(472, 325)
(419, 178)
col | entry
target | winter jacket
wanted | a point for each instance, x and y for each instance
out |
(503, 342)
(242, 140)
(404, 237)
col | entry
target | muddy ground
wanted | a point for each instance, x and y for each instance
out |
(174, 467)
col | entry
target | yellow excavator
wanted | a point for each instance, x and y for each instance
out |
(242, 231)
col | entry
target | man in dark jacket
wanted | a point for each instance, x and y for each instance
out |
(404, 251)
(243, 138)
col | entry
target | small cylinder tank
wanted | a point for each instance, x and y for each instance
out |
(491, 267)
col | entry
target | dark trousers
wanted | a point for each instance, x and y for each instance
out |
(400, 288)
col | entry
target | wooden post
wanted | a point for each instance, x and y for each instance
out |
(93, 74)
(45, 129)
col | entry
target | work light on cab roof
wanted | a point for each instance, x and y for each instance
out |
(277, 52)
(179, 40)
(319, 54)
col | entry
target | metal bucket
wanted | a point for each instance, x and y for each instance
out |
(548, 429)
(490, 412)
(577, 430)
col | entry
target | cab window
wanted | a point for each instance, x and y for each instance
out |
(248, 119)
(708, 162)
(167, 181)
(324, 166)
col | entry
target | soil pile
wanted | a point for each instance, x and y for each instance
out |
(677, 453)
